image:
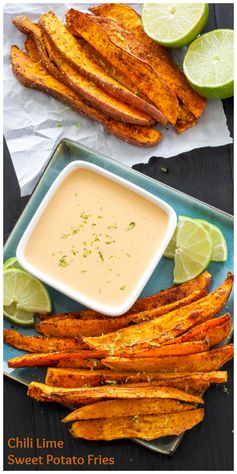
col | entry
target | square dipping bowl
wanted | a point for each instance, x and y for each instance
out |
(96, 238)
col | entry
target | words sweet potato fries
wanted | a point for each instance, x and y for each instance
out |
(137, 375)
(105, 67)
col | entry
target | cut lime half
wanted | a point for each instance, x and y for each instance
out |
(193, 250)
(11, 263)
(25, 292)
(209, 64)
(174, 24)
(219, 251)
(18, 317)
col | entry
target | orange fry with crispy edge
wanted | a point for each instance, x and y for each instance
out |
(116, 408)
(138, 70)
(38, 344)
(162, 298)
(214, 331)
(185, 348)
(120, 391)
(207, 361)
(145, 426)
(168, 326)
(74, 327)
(75, 378)
(51, 358)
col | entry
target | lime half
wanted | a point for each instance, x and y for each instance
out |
(219, 251)
(11, 263)
(18, 317)
(174, 24)
(25, 292)
(209, 64)
(193, 250)
(170, 251)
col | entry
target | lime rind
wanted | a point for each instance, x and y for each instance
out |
(209, 64)
(11, 263)
(18, 317)
(174, 25)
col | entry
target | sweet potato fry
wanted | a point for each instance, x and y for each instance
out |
(130, 21)
(32, 50)
(75, 378)
(41, 344)
(84, 87)
(168, 326)
(178, 349)
(144, 426)
(206, 361)
(132, 66)
(214, 331)
(51, 359)
(116, 408)
(73, 327)
(46, 392)
(164, 297)
(33, 75)
(74, 53)
(90, 363)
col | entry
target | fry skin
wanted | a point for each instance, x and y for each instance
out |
(74, 327)
(162, 298)
(76, 378)
(33, 75)
(168, 326)
(38, 344)
(144, 426)
(207, 361)
(44, 392)
(116, 408)
(132, 66)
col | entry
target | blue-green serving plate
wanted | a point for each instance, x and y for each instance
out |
(66, 152)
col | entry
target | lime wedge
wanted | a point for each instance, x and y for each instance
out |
(219, 251)
(11, 263)
(174, 24)
(209, 64)
(18, 317)
(193, 250)
(170, 251)
(26, 292)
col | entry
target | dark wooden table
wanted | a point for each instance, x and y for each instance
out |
(207, 174)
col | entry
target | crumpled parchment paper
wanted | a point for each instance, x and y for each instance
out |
(33, 121)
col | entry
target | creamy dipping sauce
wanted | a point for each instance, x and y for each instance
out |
(96, 237)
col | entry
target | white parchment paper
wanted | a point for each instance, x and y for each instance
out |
(33, 121)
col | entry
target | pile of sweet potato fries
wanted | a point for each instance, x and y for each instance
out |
(105, 67)
(137, 375)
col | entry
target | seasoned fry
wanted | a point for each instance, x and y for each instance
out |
(32, 50)
(130, 21)
(76, 327)
(178, 349)
(214, 331)
(46, 393)
(116, 408)
(144, 426)
(164, 297)
(41, 344)
(132, 66)
(33, 75)
(51, 359)
(168, 326)
(75, 378)
(84, 87)
(74, 53)
(207, 361)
